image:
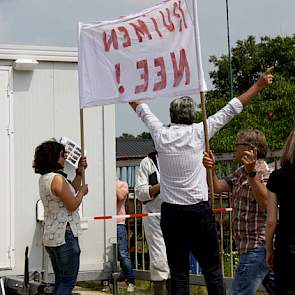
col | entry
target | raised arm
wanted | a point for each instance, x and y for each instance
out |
(264, 80)
(235, 106)
(259, 190)
(149, 119)
(61, 189)
(220, 185)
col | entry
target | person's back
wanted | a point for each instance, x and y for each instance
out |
(285, 190)
(182, 175)
(185, 213)
(280, 236)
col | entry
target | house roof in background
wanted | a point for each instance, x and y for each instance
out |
(133, 148)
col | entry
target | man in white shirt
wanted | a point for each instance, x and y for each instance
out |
(187, 220)
(147, 190)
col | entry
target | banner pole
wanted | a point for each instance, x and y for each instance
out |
(202, 97)
(82, 141)
(207, 147)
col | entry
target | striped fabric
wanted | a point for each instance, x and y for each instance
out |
(180, 150)
(248, 218)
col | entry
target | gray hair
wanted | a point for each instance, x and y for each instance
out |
(254, 138)
(182, 111)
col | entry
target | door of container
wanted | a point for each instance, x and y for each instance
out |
(6, 171)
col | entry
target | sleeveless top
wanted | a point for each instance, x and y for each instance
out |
(56, 216)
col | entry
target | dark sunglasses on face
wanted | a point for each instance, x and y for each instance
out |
(245, 144)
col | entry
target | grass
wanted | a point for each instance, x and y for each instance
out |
(142, 288)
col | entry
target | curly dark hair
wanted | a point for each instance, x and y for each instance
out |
(46, 157)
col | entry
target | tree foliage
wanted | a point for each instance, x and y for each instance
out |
(143, 135)
(127, 136)
(272, 111)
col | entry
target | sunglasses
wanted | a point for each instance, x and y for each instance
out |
(245, 144)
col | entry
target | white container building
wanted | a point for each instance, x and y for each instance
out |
(39, 100)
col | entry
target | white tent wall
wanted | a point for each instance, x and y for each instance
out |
(45, 105)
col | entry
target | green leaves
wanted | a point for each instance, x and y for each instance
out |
(272, 111)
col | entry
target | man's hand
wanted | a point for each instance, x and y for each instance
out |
(208, 160)
(134, 104)
(249, 159)
(265, 79)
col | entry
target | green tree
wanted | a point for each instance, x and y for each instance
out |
(127, 136)
(273, 111)
(249, 59)
(144, 135)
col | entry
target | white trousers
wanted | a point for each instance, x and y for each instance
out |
(157, 251)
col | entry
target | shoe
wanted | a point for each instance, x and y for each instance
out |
(131, 287)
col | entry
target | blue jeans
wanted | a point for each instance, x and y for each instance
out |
(124, 258)
(252, 271)
(65, 260)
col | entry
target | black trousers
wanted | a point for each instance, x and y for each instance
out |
(191, 228)
(284, 262)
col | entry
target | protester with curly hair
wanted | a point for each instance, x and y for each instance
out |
(61, 200)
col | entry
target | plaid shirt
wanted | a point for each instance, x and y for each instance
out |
(248, 217)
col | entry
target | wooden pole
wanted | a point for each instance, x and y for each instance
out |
(207, 147)
(202, 95)
(82, 141)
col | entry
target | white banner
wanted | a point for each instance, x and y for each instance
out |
(143, 56)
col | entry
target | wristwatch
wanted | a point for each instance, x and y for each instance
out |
(251, 174)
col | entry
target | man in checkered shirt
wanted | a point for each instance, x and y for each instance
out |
(249, 200)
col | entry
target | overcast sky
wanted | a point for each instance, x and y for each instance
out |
(54, 23)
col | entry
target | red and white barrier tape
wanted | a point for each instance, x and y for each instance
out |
(217, 210)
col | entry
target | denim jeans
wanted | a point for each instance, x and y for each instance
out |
(252, 271)
(191, 228)
(124, 258)
(65, 260)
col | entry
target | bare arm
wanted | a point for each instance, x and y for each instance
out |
(264, 80)
(154, 190)
(259, 189)
(61, 189)
(271, 224)
(220, 185)
(121, 190)
(76, 183)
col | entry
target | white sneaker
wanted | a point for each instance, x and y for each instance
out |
(131, 287)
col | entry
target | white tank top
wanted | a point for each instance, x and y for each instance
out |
(56, 216)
